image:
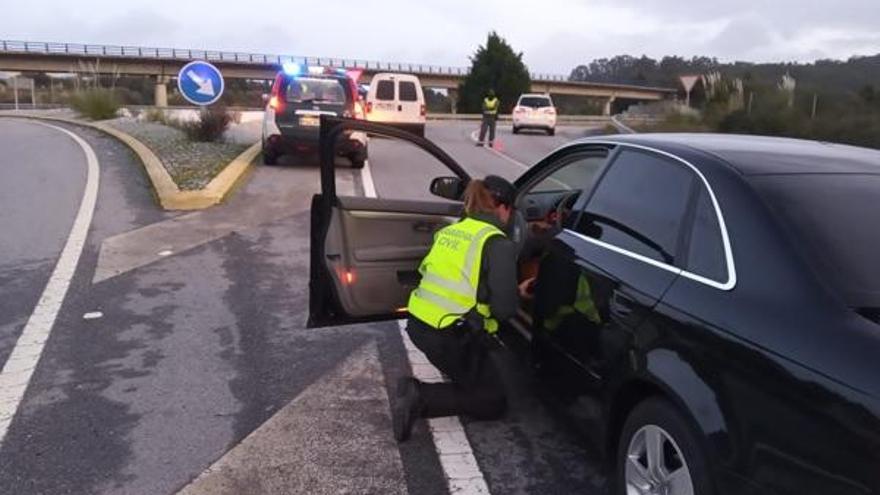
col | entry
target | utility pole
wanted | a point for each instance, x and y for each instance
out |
(33, 94)
(751, 100)
(815, 102)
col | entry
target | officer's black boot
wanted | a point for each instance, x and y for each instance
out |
(407, 407)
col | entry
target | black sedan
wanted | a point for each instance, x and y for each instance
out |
(707, 306)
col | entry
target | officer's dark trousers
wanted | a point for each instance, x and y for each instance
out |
(488, 123)
(476, 388)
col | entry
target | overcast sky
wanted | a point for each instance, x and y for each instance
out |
(554, 35)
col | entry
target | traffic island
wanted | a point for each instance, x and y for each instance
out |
(185, 175)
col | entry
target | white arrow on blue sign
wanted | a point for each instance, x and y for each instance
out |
(200, 83)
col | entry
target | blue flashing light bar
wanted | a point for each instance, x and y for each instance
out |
(291, 68)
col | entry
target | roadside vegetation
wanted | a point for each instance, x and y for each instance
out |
(95, 103)
(828, 100)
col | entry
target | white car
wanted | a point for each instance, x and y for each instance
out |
(534, 111)
(398, 100)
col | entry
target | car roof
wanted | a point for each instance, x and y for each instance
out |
(760, 155)
(543, 95)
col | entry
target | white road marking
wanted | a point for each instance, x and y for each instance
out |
(512, 160)
(367, 181)
(621, 126)
(19, 368)
(453, 448)
(456, 456)
(93, 315)
(165, 252)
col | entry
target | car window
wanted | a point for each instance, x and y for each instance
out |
(579, 173)
(833, 219)
(639, 205)
(318, 90)
(407, 91)
(385, 90)
(535, 101)
(705, 255)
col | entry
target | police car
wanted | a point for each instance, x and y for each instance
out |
(300, 95)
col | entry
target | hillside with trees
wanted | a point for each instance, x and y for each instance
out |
(829, 100)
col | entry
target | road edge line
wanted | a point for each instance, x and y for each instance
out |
(28, 349)
(621, 126)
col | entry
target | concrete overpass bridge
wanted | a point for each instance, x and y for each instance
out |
(163, 64)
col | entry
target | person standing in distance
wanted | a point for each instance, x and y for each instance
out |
(490, 117)
(468, 285)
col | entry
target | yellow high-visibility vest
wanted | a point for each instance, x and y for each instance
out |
(451, 275)
(490, 105)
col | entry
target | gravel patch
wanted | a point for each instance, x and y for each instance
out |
(191, 165)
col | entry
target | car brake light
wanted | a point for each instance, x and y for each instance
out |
(349, 277)
(550, 110)
(519, 110)
(369, 106)
(422, 111)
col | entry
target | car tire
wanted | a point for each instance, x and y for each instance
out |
(682, 459)
(516, 130)
(551, 131)
(269, 157)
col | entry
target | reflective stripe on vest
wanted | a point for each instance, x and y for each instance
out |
(490, 106)
(451, 275)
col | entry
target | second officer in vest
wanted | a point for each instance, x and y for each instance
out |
(490, 118)
(468, 285)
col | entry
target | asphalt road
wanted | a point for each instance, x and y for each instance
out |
(201, 363)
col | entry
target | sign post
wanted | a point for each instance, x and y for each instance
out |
(200, 83)
(688, 82)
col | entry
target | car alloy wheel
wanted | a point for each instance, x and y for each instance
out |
(655, 465)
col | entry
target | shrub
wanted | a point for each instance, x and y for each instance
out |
(95, 103)
(155, 115)
(210, 125)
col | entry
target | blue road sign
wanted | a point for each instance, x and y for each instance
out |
(200, 83)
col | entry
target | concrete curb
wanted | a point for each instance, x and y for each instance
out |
(170, 196)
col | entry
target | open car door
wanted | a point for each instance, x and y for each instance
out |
(365, 251)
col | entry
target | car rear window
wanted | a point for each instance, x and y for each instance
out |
(408, 91)
(835, 221)
(385, 90)
(535, 101)
(317, 90)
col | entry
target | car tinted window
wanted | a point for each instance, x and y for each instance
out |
(834, 220)
(407, 91)
(578, 173)
(705, 255)
(316, 89)
(385, 90)
(535, 101)
(639, 205)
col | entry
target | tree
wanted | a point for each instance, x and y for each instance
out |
(494, 66)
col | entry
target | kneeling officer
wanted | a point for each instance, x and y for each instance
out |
(468, 284)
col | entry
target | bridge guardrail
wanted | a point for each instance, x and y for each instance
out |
(122, 51)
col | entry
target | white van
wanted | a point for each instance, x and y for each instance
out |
(398, 100)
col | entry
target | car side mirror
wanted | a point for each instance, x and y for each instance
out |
(448, 187)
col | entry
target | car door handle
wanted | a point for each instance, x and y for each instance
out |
(424, 226)
(399, 108)
(622, 305)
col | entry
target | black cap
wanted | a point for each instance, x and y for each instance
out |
(502, 190)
